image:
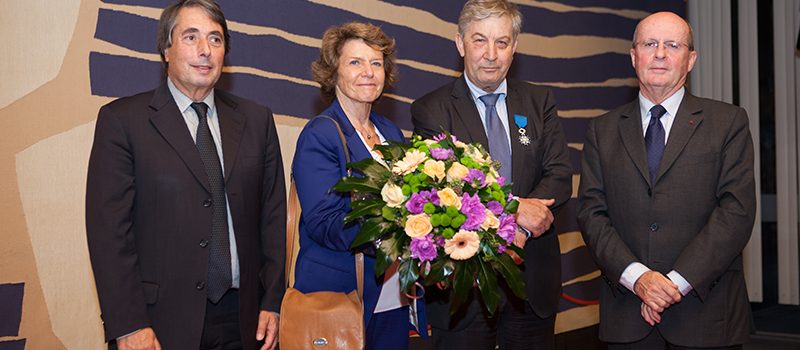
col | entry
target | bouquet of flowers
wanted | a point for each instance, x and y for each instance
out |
(440, 207)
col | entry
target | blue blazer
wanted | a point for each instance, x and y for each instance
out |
(325, 262)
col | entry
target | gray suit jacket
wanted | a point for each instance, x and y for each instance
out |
(540, 169)
(696, 219)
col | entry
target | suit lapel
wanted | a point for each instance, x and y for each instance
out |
(467, 114)
(685, 123)
(169, 123)
(514, 106)
(630, 131)
(354, 145)
(231, 125)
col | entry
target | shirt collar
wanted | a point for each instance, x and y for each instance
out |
(184, 102)
(671, 104)
(477, 92)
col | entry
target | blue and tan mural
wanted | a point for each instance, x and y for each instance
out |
(75, 55)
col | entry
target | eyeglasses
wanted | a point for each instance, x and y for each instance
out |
(669, 45)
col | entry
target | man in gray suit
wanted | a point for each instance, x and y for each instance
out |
(667, 204)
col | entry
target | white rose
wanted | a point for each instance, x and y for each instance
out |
(490, 221)
(392, 195)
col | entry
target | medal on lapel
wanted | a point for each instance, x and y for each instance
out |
(522, 122)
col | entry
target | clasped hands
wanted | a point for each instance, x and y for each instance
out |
(535, 216)
(657, 293)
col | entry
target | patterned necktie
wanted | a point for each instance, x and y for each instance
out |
(219, 261)
(498, 137)
(654, 141)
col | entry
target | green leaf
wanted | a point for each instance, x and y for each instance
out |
(371, 169)
(364, 208)
(388, 213)
(357, 184)
(382, 262)
(512, 206)
(487, 283)
(511, 273)
(462, 284)
(371, 230)
(392, 151)
(441, 269)
(409, 273)
(518, 250)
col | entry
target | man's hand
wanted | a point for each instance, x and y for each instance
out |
(267, 327)
(656, 291)
(143, 339)
(650, 316)
(534, 215)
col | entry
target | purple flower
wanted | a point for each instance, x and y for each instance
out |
(415, 203)
(439, 241)
(475, 211)
(441, 136)
(501, 248)
(433, 197)
(501, 181)
(475, 174)
(508, 228)
(495, 207)
(441, 153)
(423, 248)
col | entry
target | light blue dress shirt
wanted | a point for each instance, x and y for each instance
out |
(190, 117)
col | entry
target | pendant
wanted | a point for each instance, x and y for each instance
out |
(523, 138)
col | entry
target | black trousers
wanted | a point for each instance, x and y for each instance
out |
(515, 326)
(221, 324)
(654, 341)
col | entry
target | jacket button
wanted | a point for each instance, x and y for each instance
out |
(653, 227)
(649, 192)
(203, 243)
(207, 203)
(200, 285)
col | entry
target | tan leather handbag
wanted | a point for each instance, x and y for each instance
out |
(319, 320)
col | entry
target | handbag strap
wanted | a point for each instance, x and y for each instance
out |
(293, 224)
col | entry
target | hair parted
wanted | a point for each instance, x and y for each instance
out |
(476, 10)
(169, 19)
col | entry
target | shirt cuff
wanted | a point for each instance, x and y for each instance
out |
(632, 274)
(683, 285)
(528, 234)
(128, 335)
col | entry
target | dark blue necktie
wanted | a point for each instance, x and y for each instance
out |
(654, 141)
(219, 259)
(498, 137)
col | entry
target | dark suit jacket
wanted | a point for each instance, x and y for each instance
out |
(325, 261)
(696, 219)
(146, 220)
(540, 169)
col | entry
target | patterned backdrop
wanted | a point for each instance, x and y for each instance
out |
(578, 48)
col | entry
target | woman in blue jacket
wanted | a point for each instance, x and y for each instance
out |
(356, 61)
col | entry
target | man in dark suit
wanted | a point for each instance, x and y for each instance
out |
(185, 203)
(667, 203)
(517, 122)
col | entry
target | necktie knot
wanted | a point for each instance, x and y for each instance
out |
(657, 112)
(489, 99)
(201, 108)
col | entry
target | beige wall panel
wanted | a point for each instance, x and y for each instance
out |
(52, 182)
(36, 34)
